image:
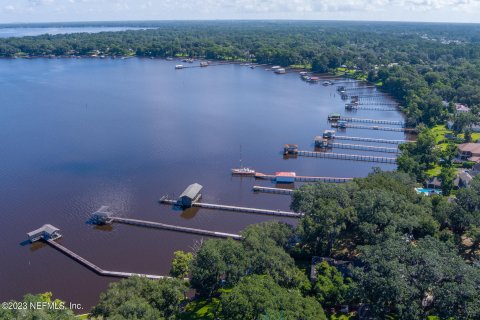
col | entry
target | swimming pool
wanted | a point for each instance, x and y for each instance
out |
(428, 191)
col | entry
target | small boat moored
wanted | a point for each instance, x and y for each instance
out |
(243, 171)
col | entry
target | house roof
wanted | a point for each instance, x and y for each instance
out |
(475, 159)
(434, 181)
(192, 191)
(46, 228)
(461, 107)
(465, 177)
(470, 147)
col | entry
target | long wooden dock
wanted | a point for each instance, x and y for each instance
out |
(364, 139)
(360, 108)
(359, 88)
(273, 190)
(97, 269)
(379, 121)
(272, 177)
(377, 103)
(158, 225)
(356, 126)
(363, 147)
(354, 157)
(222, 207)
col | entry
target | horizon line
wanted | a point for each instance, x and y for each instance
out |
(237, 20)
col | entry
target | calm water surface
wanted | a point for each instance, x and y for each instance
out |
(8, 32)
(78, 134)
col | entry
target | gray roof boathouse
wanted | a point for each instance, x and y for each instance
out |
(190, 195)
(102, 216)
(46, 232)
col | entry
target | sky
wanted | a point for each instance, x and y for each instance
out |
(117, 10)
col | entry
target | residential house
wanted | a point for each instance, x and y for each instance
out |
(469, 152)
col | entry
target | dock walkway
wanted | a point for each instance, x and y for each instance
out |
(272, 177)
(356, 126)
(379, 121)
(363, 147)
(97, 269)
(273, 190)
(360, 108)
(158, 225)
(222, 207)
(377, 103)
(364, 139)
(355, 157)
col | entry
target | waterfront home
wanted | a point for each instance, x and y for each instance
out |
(461, 108)
(464, 179)
(433, 183)
(469, 151)
(191, 195)
(47, 231)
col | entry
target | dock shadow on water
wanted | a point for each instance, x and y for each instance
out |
(189, 213)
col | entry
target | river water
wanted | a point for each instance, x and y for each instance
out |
(7, 32)
(80, 133)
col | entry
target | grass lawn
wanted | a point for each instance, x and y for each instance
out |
(202, 309)
(435, 171)
(301, 66)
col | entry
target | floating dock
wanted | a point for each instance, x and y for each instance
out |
(279, 213)
(356, 126)
(157, 225)
(370, 140)
(379, 121)
(341, 156)
(97, 269)
(362, 147)
(273, 190)
(305, 178)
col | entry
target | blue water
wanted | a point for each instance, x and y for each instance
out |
(80, 133)
(7, 32)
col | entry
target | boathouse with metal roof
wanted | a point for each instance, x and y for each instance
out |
(190, 195)
(46, 232)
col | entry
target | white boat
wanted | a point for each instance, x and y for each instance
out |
(280, 71)
(179, 66)
(243, 171)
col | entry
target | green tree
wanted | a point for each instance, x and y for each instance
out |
(327, 209)
(218, 262)
(330, 288)
(181, 264)
(141, 298)
(50, 309)
(260, 297)
(447, 177)
(416, 280)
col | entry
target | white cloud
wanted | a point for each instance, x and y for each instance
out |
(64, 10)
